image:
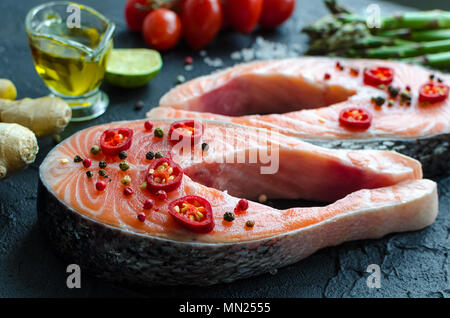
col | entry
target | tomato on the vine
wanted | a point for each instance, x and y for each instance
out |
(162, 29)
(275, 12)
(202, 20)
(135, 13)
(243, 15)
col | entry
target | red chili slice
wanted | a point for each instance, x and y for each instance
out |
(186, 129)
(113, 141)
(356, 118)
(433, 93)
(378, 76)
(164, 174)
(193, 213)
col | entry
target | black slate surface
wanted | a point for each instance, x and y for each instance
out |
(412, 264)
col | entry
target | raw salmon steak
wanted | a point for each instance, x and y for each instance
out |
(110, 231)
(303, 97)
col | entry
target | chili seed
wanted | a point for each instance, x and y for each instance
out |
(100, 185)
(124, 165)
(89, 174)
(159, 133)
(123, 155)
(148, 204)
(102, 164)
(141, 216)
(158, 155)
(150, 155)
(382, 86)
(126, 180)
(162, 195)
(228, 216)
(393, 91)
(143, 186)
(95, 149)
(77, 158)
(148, 125)
(87, 163)
(250, 223)
(64, 161)
(205, 146)
(139, 105)
(128, 191)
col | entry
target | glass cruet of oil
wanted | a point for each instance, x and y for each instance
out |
(70, 44)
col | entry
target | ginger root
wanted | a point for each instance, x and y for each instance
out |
(44, 116)
(18, 148)
(7, 89)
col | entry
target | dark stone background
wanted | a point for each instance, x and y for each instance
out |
(413, 264)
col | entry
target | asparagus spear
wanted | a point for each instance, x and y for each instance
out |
(417, 36)
(335, 8)
(436, 19)
(437, 60)
(403, 51)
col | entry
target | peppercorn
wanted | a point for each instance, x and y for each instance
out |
(405, 97)
(77, 158)
(124, 165)
(162, 195)
(102, 164)
(326, 76)
(379, 100)
(123, 155)
(141, 216)
(148, 204)
(250, 223)
(188, 60)
(229, 216)
(150, 155)
(431, 77)
(57, 139)
(159, 133)
(440, 80)
(87, 163)
(128, 191)
(95, 149)
(158, 155)
(139, 105)
(393, 91)
(148, 125)
(205, 146)
(262, 198)
(391, 103)
(89, 174)
(102, 173)
(100, 185)
(242, 205)
(126, 180)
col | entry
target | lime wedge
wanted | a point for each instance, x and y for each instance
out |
(132, 67)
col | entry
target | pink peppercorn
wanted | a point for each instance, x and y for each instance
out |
(128, 191)
(141, 216)
(327, 76)
(242, 205)
(148, 125)
(100, 185)
(87, 163)
(188, 60)
(148, 204)
(162, 195)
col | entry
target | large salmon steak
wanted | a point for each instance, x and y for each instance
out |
(165, 202)
(406, 107)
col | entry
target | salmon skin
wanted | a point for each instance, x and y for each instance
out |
(293, 96)
(377, 192)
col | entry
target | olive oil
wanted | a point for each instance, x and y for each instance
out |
(63, 64)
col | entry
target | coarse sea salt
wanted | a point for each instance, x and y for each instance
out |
(266, 50)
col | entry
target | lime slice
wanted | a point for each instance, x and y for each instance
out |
(132, 67)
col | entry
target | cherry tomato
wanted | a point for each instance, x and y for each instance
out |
(164, 174)
(202, 20)
(378, 76)
(243, 15)
(162, 29)
(135, 13)
(356, 118)
(433, 93)
(192, 212)
(113, 141)
(275, 12)
(193, 130)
